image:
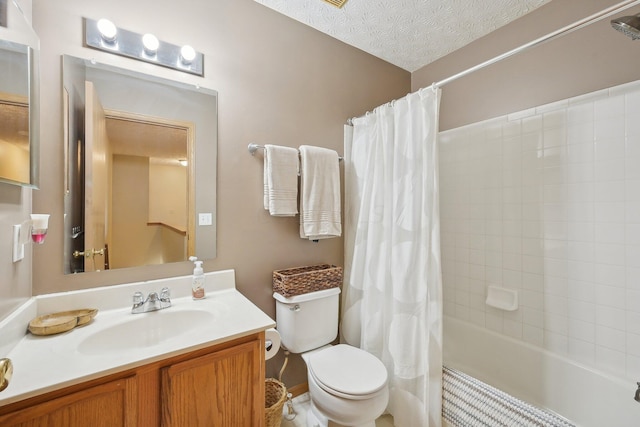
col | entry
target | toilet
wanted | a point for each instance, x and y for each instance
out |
(347, 385)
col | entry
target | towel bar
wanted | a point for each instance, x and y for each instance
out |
(253, 147)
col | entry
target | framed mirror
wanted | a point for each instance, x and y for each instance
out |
(140, 168)
(18, 114)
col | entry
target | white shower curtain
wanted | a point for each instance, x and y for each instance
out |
(392, 299)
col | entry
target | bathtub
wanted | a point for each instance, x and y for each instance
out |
(586, 397)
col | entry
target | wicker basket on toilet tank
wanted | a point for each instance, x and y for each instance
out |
(301, 280)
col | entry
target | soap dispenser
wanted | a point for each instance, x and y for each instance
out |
(197, 283)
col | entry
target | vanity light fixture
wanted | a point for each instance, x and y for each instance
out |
(187, 54)
(104, 35)
(108, 30)
(151, 44)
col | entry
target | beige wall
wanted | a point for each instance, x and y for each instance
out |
(15, 287)
(589, 59)
(168, 194)
(278, 81)
(14, 163)
(130, 213)
(135, 242)
(15, 202)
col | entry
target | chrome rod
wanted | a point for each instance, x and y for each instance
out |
(551, 36)
(605, 13)
(253, 147)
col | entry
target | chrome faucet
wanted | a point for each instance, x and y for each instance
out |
(153, 301)
(637, 397)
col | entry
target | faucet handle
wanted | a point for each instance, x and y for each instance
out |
(165, 294)
(138, 298)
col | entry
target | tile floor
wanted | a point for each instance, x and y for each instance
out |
(300, 406)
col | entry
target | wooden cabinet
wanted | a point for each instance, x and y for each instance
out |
(106, 405)
(217, 389)
(221, 386)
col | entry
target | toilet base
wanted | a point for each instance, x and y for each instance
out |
(317, 419)
(314, 418)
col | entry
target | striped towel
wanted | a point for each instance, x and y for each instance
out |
(319, 193)
(281, 168)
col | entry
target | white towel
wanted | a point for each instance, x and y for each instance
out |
(281, 168)
(319, 193)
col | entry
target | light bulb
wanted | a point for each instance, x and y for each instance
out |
(187, 54)
(150, 43)
(108, 30)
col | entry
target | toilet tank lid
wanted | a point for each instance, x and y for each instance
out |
(306, 297)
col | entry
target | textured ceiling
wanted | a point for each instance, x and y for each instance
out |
(407, 33)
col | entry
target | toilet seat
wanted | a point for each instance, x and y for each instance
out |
(348, 372)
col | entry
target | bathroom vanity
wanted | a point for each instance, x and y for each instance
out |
(219, 386)
(196, 363)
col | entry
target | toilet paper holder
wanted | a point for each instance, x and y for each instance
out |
(271, 343)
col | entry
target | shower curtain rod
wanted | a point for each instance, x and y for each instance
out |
(605, 13)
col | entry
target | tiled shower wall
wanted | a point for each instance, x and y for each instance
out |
(547, 201)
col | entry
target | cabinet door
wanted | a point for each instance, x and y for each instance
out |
(221, 389)
(108, 405)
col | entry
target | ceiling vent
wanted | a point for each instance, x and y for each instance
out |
(336, 3)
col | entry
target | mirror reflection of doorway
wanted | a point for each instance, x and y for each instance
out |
(14, 138)
(139, 197)
(144, 98)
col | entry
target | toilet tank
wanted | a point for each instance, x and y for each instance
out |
(307, 321)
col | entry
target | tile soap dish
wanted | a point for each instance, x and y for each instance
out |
(56, 323)
(502, 298)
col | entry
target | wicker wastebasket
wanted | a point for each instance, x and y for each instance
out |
(275, 394)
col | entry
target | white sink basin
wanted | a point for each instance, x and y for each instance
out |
(144, 330)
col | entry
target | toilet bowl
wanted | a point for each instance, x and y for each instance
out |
(347, 386)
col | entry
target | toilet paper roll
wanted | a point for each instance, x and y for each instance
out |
(271, 343)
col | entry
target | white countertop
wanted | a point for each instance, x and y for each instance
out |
(46, 363)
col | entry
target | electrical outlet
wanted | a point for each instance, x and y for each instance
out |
(205, 219)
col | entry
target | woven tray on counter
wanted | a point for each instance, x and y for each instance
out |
(301, 280)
